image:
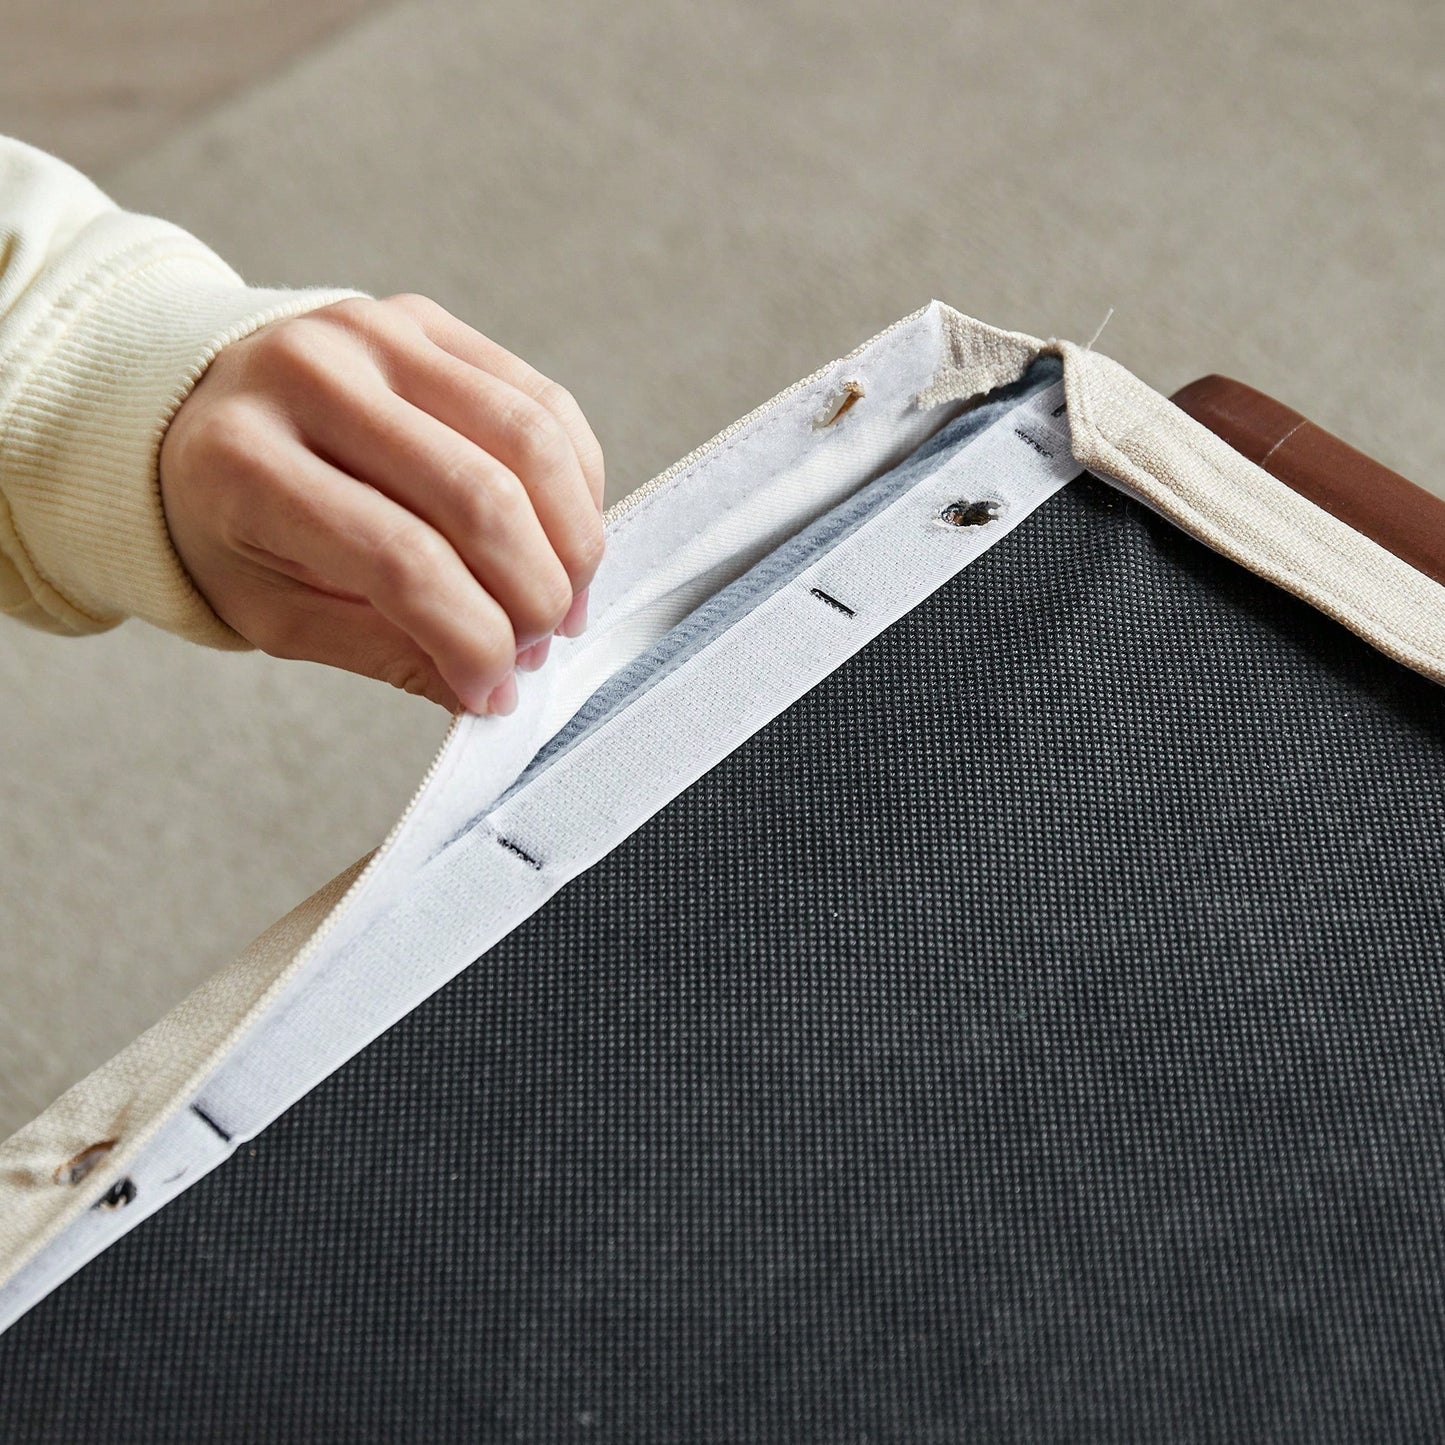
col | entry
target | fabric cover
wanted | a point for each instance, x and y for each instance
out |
(1031, 1033)
(753, 485)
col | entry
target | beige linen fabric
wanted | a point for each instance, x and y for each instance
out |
(1121, 429)
(1124, 430)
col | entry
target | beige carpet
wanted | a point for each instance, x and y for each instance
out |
(95, 81)
(676, 210)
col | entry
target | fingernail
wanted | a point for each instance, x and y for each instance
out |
(575, 622)
(504, 696)
(529, 659)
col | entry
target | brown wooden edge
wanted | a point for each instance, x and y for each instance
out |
(1401, 517)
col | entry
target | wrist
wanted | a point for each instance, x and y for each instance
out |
(113, 359)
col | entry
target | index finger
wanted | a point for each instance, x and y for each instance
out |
(456, 337)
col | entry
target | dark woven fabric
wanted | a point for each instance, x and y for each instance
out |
(1035, 1033)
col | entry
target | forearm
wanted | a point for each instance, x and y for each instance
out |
(107, 320)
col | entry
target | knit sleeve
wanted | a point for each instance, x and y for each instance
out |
(107, 321)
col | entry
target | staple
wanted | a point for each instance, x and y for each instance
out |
(522, 853)
(832, 602)
(77, 1167)
(969, 514)
(205, 1118)
(117, 1196)
(841, 401)
(1033, 441)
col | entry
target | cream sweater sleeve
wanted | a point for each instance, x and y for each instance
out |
(107, 320)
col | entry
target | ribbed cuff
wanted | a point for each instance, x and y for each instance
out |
(107, 369)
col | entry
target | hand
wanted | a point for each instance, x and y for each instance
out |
(376, 486)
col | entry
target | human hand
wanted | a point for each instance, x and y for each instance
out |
(376, 486)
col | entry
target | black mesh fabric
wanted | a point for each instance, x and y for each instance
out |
(1033, 1033)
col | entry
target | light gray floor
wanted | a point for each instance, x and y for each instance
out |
(97, 81)
(677, 209)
